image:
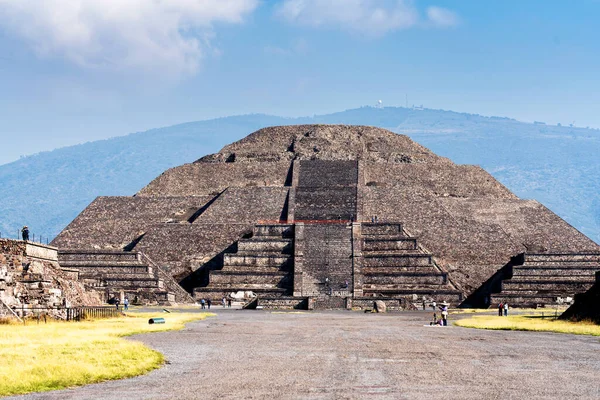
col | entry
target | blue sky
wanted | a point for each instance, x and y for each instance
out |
(72, 71)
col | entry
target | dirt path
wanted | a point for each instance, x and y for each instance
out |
(346, 355)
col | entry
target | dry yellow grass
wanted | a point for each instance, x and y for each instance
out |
(529, 323)
(62, 354)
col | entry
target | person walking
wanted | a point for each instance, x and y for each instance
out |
(434, 305)
(202, 304)
(224, 302)
(229, 302)
(506, 309)
(208, 303)
(117, 302)
(500, 308)
(126, 303)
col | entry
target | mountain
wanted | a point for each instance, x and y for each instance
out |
(557, 166)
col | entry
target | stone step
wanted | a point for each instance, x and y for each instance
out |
(271, 260)
(554, 271)
(405, 286)
(256, 268)
(387, 244)
(227, 278)
(146, 281)
(264, 245)
(562, 257)
(405, 278)
(381, 228)
(561, 264)
(96, 255)
(274, 230)
(283, 303)
(524, 300)
(424, 269)
(89, 271)
(142, 276)
(100, 263)
(563, 286)
(450, 295)
(366, 303)
(393, 259)
(217, 294)
(253, 287)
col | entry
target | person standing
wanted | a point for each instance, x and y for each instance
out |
(445, 315)
(25, 233)
(224, 302)
(500, 308)
(229, 302)
(208, 303)
(126, 303)
(202, 304)
(506, 309)
(434, 305)
(117, 302)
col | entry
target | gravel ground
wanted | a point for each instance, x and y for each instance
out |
(348, 355)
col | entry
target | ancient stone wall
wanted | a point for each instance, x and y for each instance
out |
(202, 179)
(441, 179)
(114, 222)
(327, 259)
(33, 284)
(326, 190)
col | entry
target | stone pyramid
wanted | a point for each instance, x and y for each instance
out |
(334, 216)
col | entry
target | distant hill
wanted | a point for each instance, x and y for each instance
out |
(558, 166)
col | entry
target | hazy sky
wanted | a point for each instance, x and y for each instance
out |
(78, 70)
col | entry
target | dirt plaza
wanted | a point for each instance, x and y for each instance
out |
(348, 355)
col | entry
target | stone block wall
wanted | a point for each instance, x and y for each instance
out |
(439, 179)
(33, 283)
(206, 178)
(115, 222)
(327, 255)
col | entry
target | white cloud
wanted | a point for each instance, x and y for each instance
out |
(442, 17)
(370, 17)
(166, 36)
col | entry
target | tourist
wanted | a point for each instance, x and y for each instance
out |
(445, 314)
(224, 302)
(25, 233)
(208, 303)
(202, 304)
(500, 308)
(424, 305)
(505, 309)
(126, 303)
(433, 305)
(117, 303)
(229, 302)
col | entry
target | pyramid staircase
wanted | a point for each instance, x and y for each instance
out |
(263, 265)
(395, 267)
(112, 272)
(541, 279)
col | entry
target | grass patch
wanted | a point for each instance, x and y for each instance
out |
(534, 323)
(57, 355)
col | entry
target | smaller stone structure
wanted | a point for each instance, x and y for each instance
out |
(116, 274)
(586, 306)
(32, 281)
(540, 279)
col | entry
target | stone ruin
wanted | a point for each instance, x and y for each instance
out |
(33, 283)
(586, 306)
(330, 216)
